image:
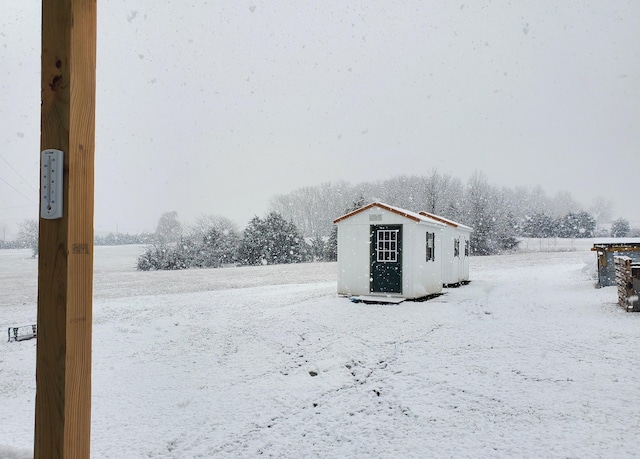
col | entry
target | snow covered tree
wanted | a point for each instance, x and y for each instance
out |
(218, 248)
(251, 245)
(576, 225)
(539, 226)
(28, 236)
(566, 226)
(331, 247)
(356, 204)
(479, 215)
(505, 223)
(585, 225)
(620, 228)
(215, 241)
(272, 240)
(318, 248)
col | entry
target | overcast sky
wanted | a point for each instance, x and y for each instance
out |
(213, 107)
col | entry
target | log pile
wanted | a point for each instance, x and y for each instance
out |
(627, 296)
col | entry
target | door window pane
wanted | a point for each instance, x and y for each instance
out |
(387, 246)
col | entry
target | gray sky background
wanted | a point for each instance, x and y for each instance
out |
(213, 107)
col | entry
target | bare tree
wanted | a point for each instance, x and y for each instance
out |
(205, 223)
(563, 204)
(169, 229)
(602, 210)
(313, 209)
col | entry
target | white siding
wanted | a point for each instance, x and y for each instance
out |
(464, 266)
(353, 259)
(449, 262)
(426, 275)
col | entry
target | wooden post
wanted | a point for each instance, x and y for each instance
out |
(65, 266)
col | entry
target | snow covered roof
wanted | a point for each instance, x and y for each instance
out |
(616, 240)
(446, 221)
(617, 245)
(396, 210)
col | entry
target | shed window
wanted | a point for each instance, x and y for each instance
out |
(466, 248)
(431, 248)
(387, 250)
(456, 247)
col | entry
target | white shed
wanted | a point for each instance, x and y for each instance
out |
(388, 251)
(455, 250)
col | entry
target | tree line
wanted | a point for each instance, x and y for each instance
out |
(27, 238)
(498, 215)
(299, 225)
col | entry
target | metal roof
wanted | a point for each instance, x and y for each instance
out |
(416, 217)
(446, 221)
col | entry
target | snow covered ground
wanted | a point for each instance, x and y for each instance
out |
(529, 360)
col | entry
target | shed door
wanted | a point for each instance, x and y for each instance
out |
(386, 259)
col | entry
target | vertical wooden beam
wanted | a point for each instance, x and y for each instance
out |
(65, 267)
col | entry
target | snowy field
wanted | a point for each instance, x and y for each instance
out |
(529, 360)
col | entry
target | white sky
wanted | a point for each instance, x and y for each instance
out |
(212, 107)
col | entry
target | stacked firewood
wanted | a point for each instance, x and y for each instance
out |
(627, 297)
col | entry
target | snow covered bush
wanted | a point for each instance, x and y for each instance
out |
(211, 243)
(271, 241)
(162, 256)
